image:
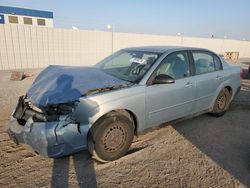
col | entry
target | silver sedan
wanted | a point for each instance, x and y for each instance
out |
(101, 108)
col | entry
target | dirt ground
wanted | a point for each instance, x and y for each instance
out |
(204, 151)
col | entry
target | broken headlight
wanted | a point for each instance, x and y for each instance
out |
(60, 109)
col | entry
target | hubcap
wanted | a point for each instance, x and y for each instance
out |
(114, 138)
(221, 102)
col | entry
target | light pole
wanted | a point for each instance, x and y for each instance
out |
(223, 44)
(110, 27)
(74, 28)
(246, 44)
(181, 41)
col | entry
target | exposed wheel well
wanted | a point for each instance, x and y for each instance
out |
(229, 89)
(134, 121)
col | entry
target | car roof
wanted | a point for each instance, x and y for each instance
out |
(161, 49)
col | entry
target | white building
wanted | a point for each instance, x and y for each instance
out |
(22, 16)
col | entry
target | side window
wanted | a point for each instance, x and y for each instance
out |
(217, 63)
(204, 62)
(175, 65)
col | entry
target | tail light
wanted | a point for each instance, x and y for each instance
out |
(241, 73)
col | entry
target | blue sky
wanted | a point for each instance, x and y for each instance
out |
(198, 18)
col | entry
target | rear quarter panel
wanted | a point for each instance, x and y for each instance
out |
(231, 78)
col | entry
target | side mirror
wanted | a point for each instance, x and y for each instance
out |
(163, 79)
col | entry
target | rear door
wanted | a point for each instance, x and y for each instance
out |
(208, 70)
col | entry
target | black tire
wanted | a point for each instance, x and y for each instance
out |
(111, 137)
(222, 103)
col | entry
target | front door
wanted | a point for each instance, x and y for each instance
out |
(165, 102)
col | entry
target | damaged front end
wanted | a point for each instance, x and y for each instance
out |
(53, 118)
(51, 131)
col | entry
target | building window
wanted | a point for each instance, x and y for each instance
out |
(13, 19)
(41, 22)
(27, 21)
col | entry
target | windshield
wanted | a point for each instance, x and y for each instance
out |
(128, 65)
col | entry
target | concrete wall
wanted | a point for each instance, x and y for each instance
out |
(33, 47)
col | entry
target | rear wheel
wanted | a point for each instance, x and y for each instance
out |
(222, 103)
(111, 137)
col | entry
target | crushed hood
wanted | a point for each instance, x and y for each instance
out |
(63, 84)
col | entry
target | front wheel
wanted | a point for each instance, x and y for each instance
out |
(111, 137)
(222, 103)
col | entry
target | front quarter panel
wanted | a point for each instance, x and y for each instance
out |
(91, 108)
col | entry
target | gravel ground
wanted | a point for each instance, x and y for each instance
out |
(200, 152)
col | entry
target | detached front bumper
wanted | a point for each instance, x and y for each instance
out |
(51, 139)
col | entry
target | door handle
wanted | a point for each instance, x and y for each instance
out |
(188, 84)
(218, 77)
